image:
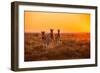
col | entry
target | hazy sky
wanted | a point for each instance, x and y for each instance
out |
(66, 22)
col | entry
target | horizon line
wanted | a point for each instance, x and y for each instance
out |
(57, 32)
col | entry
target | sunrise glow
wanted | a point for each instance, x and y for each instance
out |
(66, 22)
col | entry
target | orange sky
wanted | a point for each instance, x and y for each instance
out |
(66, 22)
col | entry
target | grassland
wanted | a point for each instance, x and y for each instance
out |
(72, 46)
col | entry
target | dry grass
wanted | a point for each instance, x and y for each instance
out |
(73, 46)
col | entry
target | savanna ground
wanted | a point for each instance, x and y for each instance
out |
(73, 46)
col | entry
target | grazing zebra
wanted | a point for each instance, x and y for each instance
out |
(49, 41)
(45, 40)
